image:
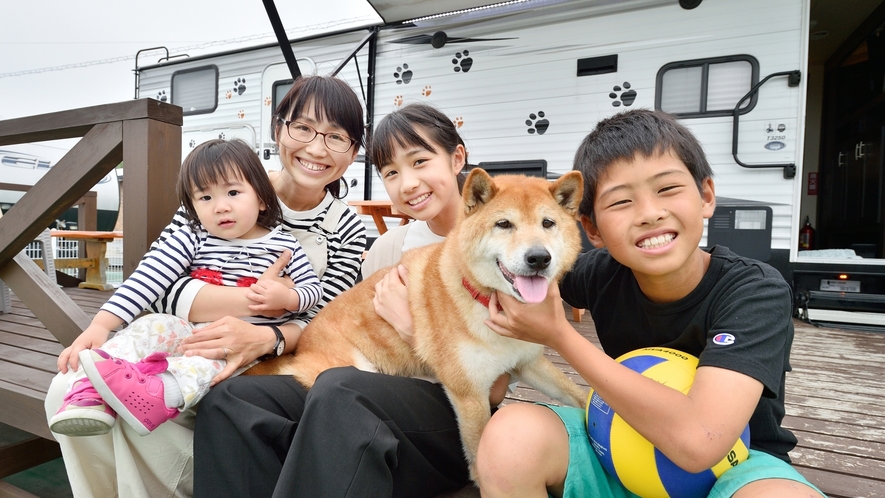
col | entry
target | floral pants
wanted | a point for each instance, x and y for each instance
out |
(163, 333)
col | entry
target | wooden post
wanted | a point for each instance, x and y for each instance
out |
(151, 159)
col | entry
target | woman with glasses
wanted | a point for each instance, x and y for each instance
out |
(319, 128)
(355, 433)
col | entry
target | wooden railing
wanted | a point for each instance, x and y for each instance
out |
(143, 134)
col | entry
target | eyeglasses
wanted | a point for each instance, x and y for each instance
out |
(304, 133)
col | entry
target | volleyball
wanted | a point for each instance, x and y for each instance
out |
(632, 459)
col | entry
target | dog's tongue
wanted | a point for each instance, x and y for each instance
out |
(532, 289)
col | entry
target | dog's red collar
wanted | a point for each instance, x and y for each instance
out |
(482, 299)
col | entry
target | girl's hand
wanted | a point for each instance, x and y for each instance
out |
(392, 302)
(275, 270)
(272, 295)
(94, 336)
(536, 323)
(230, 339)
(268, 278)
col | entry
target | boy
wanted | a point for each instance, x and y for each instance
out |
(648, 189)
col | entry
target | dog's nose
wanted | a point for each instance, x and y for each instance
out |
(537, 258)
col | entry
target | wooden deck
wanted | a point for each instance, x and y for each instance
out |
(835, 394)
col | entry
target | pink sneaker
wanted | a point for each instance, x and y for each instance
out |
(83, 413)
(132, 389)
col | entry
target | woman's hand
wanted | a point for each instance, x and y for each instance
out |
(230, 339)
(94, 336)
(392, 302)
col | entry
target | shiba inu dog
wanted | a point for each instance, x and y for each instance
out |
(516, 234)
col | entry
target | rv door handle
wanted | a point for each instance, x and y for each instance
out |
(841, 162)
(859, 150)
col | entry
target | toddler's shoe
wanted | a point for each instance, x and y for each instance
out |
(83, 413)
(134, 390)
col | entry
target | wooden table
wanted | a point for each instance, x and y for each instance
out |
(378, 210)
(95, 262)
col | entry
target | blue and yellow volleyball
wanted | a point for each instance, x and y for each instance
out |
(631, 458)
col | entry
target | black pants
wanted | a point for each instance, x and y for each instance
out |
(354, 434)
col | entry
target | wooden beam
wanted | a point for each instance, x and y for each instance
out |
(23, 408)
(78, 171)
(9, 491)
(58, 312)
(77, 122)
(23, 455)
(152, 158)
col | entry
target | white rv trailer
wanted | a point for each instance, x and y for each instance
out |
(527, 81)
(18, 167)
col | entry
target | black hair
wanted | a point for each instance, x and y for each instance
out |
(398, 130)
(333, 101)
(636, 132)
(216, 161)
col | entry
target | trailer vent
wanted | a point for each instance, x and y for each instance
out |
(598, 65)
(742, 226)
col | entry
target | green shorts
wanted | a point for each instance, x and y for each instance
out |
(587, 477)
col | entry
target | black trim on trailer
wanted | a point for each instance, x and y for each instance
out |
(193, 70)
(794, 77)
(370, 112)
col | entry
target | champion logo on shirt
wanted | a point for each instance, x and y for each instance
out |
(723, 339)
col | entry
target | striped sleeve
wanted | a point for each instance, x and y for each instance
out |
(168, 260)
(179, 296)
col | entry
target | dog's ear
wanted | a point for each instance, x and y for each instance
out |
(479, 188)
(568, 191)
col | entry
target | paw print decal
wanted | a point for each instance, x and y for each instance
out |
(403, 75)
(267, 101)
(458, 122)
(537, 123)
(239, 86)
(426, 91)
(192, 143)
(222, 136)
(241, 114)
(462, 64)
(624, 95)
(161, 95)
(398, 100)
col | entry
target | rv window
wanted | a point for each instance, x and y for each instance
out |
(706, 87)
(280, 89)
(196, 90)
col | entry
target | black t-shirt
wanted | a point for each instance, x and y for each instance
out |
(738, 317)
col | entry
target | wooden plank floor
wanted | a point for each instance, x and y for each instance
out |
(835, 393)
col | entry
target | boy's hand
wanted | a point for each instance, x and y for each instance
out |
(272, 295)
(93, 337)
(538, 323)
(392, 302)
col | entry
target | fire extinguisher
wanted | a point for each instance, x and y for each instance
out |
(806, 236)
